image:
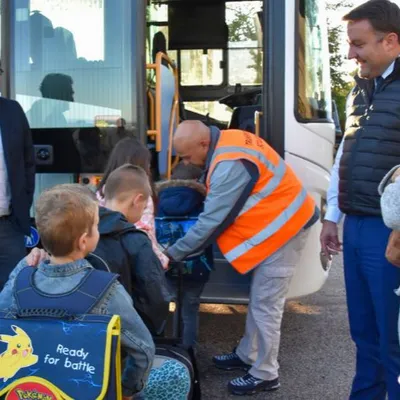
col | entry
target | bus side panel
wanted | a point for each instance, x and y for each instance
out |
(309, 274)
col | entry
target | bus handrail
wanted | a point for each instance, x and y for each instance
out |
(174, 115)
(152, 116)
(160, 57)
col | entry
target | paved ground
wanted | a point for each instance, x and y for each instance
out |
(317, 355)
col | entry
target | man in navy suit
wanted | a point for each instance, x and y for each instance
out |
(17, 183)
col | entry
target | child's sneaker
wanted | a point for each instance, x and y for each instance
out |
(249, 384)
(230, 362)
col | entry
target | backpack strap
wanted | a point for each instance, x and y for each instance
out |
(130, 229)
(97, 262)
(80, 300)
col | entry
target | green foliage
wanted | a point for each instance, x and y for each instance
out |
(332, 5)
(341, 85)
(241, 28)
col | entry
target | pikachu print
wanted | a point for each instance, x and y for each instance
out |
(19, 353)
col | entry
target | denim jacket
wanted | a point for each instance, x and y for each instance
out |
(136, 340)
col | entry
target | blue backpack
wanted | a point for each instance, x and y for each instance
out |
(196, 267)
(53, 349)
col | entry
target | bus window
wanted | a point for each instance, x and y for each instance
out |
(213, 109)
(158, 13)
(201, 67)
(71, 65)
(197, 66)
(157, 16)
(313, 75)
(244, 51)
(172, 54)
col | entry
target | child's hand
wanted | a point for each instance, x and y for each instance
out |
(36, 256)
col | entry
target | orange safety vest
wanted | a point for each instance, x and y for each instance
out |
(276, 210)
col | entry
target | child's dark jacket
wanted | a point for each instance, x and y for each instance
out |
(128, 252)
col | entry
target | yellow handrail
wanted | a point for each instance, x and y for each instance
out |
(152, 110)
(156, 131)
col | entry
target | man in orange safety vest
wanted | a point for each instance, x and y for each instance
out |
(259, 213)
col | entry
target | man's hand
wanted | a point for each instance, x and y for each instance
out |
(36, 256)
(330, 239)
(166, 254)
(395, 174)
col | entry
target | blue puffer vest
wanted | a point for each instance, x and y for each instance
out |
(371, 143)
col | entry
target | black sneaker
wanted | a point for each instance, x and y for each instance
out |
(249, 384)
(229, 362)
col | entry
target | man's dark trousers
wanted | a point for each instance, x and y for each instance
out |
(12, 247)
(373, 308)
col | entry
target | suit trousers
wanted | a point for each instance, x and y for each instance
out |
(373, 308)
(12, 248)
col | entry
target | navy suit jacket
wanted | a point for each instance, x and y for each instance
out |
(20, 160)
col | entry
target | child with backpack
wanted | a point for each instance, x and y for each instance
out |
(127, 250)
(131, 151)
(67, 221)
(180, 202)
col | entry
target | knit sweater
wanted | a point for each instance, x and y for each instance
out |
(390, 200)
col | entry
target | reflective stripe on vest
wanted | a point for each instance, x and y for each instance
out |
(277, 209)
(267, 232)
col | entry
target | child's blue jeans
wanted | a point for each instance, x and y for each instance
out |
(191, 292)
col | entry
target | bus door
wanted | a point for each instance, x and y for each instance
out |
(261, 66)
(219, 64)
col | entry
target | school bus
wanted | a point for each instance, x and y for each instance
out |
(90, 72)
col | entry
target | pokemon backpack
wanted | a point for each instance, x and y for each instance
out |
(53, 349)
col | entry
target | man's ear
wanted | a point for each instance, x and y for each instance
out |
(205, 143)
(392, 40)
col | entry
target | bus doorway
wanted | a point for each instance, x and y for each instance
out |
(261, 66)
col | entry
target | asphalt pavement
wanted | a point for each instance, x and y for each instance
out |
(316, 357)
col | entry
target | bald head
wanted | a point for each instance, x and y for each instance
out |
(191, 131)
(192, 141)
